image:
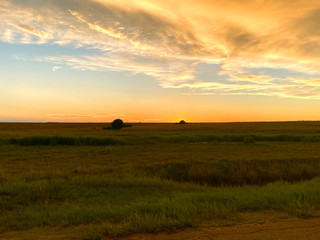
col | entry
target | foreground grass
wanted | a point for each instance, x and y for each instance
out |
(83, 182)
(113, 206)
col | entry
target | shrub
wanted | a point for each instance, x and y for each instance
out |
(117, 124)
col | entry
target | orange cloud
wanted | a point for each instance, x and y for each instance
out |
(167, 40)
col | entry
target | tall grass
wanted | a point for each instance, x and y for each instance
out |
(122, 206)
(160, 138)
(65, 140)
(190, 137)
(241, 137)
(239, 172)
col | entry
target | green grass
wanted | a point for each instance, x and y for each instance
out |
(88, 182)
(156, 138)
(242, 172)
(121, 206)
(193, 137)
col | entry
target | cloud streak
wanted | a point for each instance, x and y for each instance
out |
(31, 30)
(259, 85)
(76, 116)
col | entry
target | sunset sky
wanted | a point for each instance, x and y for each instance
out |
(159, 60)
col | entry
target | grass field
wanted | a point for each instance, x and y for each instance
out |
(80, 181)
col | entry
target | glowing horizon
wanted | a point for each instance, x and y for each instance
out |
(159, 61)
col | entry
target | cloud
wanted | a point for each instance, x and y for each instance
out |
(74, 116)
(166, 70)
(168, 40)
(259, 85)
(55, 68)
(31, 30)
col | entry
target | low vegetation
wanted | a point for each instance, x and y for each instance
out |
(230, 137)
(65, 140)
(88, 182)
(237, 173)
(113, 206)
(159, 138)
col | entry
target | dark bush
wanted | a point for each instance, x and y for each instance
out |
(117, 124)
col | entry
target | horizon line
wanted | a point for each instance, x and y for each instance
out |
(195, 122)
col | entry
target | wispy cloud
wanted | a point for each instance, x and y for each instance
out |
(168, 40)
(55, 68)
(253, 85)
(166, 70)
(84, 116)
(31, 30)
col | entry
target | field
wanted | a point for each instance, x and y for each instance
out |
(82, 181)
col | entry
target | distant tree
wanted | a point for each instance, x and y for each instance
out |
(182, 122)
(117, 124)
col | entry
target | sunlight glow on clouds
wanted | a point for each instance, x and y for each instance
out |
(167, 40)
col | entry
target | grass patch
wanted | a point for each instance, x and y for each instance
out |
(191, 137)
(156, 138)
(241, 172)
(65, 140)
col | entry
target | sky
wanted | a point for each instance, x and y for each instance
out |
(159, 61)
